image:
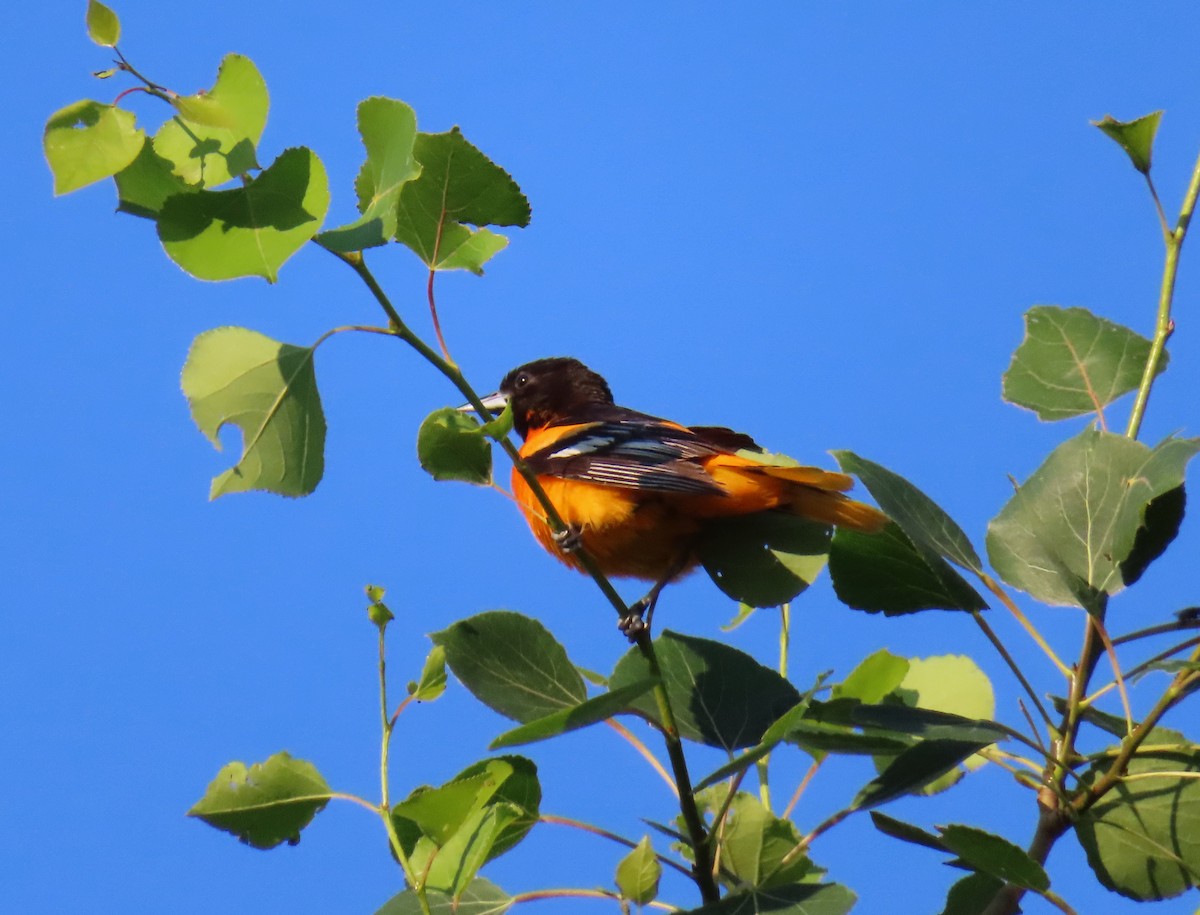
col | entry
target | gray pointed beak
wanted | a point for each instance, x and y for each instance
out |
(494, 403)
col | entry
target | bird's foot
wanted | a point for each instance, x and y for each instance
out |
(635, 620)
(569, 539)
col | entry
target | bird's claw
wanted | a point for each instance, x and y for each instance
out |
(633, 623)
(569, 539)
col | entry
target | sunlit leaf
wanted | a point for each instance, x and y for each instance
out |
(449, 447)
(88, 141)
(432, 683)
(1072, 362)
(876, 676)
(103, 26)
(1065, 534)
(1135, 137)
(388, 129)
(252, 230)
(480, 897)
(267, 804)
(210, 151)
(753, 844)
(638, 874)
(267, 389)
(512, 664)
(146, 183)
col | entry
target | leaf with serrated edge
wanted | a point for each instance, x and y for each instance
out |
(266, 804)
(88, 141)
(1072, 362)
(269, 390)
(638, 874)
(1065, 533)
(209, 154)
(252, 230)
(146, 183)
(433, 676)
(594, 710)
(921, 519)
(458, 187)
(992, 854)
(1136, 137)
(512, 664)
(389, 130)
(481, 897)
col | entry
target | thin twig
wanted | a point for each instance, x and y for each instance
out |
(808, 777)
(991, 584)
(644, 751)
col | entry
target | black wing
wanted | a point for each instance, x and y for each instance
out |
(633, 454)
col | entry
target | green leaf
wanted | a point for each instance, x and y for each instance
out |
(949, 683)
(600, 708)
(721, 696)
(876, 676)
(458, 186)
(923, 723)
(451, 831)
(764, 559)
(268, 390)
(798, 899)
(819, 739)
(146, 183)
(990, 854)
(1135, 137)
(481, 897)
(638, 874)
(913, 769)
(930, 529)
(433, 677)
(512, 664)
(886, 572)
(1065, 534)
(906, 832)
(267, 804)
(252, 230)
(449, 447)
(1143, 838)
(103, 26)
(389, 130)
(87, 142)
(1160, 526)
(971, 895)
(221, 145)
(753, 844)
(1072, 362)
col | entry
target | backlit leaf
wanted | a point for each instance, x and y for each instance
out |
(512, 664)
(433, 677)
(1072, 362)
(88, 141)
(103, 26)
(389, 130)
(765, 559)
(253, 229)
(449, 447)
(638, 874)
(267, 389)
(144, 185)
(210, 151)
(1065, 534)
(267, 804)
(1135, 137)
(754, 843)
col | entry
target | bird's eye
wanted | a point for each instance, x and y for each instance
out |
(522, 380)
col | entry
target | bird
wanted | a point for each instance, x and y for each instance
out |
(637, 492)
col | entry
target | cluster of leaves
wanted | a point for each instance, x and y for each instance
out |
(1084, 526)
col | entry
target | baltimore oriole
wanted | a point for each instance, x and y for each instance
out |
(636, 491)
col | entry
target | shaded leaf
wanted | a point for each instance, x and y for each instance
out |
(481, 897)
(1072, 362)
(267, 804)
(991, 854)
(389, 130)
(146, 183)
(88, 141)
(449, 447)
(1066, 532)
(721, 696)
(458, 187)
(906, 832)
(930, 529)
(103, 26)
(1160, 526)
(512, 664)
(1143, 838)
(594, 710)
(1136, 137)
(252, 230)
(209, 154)
(433, 677)
(949, 683)
(971, 895)
(764, 559)
(268, 390)
(886, 572)
(913, 769)
(638, 874)
(798, 899)
(754, 843)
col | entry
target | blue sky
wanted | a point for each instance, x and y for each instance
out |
(819, 223)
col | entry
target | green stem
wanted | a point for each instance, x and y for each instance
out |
(1012, 664)
(611, 836)
(703, 873)
(1163, 325)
